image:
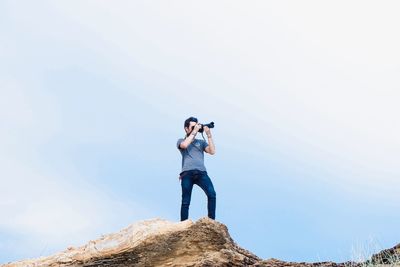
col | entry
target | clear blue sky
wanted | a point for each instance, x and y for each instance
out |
(304, 96)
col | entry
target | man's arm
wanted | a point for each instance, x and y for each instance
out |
(189, 139)
(210, 149)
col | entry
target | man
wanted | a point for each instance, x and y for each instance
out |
(193, 169)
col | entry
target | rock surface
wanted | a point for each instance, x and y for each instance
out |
(387, 256)
(155, 243)
(159, 242)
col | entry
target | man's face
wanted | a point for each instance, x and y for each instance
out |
(191, 125)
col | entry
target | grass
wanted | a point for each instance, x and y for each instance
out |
(373, 255)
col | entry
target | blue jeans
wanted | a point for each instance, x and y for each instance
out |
(189, 178)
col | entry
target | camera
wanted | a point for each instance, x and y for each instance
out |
(209, 125)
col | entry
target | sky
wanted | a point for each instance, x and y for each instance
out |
(304, 96)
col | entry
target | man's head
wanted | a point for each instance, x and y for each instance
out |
(189, 124)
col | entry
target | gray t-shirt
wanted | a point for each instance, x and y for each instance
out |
(193, 155)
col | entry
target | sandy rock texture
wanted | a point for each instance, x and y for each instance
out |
(159, 242)
(155, 243)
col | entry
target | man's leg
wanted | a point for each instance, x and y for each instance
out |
(205, 183)
(187, 186)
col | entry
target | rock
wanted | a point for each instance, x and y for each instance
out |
(387, 256)
(278, 263)
(159, 242)
(155, 243)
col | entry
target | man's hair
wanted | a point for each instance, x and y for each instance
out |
(188, 120)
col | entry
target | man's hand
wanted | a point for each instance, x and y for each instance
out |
(196, 128)
(207, 130)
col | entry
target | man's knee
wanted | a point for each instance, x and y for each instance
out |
(186, 192)
(186, 200)
(212, 194)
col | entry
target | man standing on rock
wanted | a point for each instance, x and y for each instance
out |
(193, 169)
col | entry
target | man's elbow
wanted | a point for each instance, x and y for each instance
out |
(182, 146)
